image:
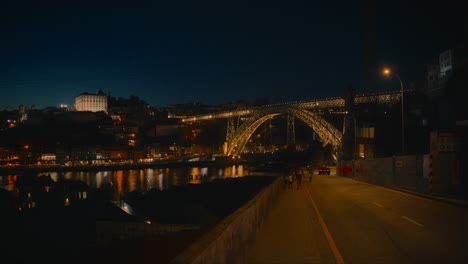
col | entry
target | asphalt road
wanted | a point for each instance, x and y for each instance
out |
(335, 219)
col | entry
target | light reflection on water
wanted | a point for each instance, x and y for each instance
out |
(125, 181)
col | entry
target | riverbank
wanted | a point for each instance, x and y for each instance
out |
(5, 170)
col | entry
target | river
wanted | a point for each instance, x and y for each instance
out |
(126, 180)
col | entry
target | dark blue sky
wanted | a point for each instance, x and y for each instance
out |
(169, 52)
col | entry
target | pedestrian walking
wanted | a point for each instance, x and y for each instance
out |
(290, 181)
(286, 177)
(310, 170)
(299, 174)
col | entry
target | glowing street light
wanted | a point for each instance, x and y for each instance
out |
(388, 72)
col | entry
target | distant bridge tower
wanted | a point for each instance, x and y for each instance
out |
(268, 137)
(291, 132)
(230, 129)
(349, 124)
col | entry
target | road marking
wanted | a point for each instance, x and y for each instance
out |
(412, 221)
(336, 253)
(378, 204)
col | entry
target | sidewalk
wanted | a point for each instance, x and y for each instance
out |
(291, 232)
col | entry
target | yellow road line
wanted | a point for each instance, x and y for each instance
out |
(336, 253)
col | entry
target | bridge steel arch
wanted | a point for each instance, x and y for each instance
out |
(326, 131)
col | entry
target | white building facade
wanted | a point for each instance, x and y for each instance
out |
(91, 102)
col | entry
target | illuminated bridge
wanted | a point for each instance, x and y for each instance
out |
(310, 112)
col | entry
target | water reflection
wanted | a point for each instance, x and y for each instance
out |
(100, 177)
(125, 181)
(195, 176)
(8, 182)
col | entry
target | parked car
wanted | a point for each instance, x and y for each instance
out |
(324, 170)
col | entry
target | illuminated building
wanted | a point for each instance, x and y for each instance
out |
(91, 102)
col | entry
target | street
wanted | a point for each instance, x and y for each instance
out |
(335, 219)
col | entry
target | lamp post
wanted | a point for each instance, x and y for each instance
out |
(354, 148)
(355, 145)
(388, 72)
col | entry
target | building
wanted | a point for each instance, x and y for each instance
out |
(438, 74)
(91, 102)
(446, 62)
(432, 78)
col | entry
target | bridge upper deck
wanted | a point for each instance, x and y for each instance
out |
(330, 103)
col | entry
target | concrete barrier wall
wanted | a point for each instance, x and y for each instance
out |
(432, 174)
(107, 231)
(374, 171)
(408, 174)
(447, 166)
(227, 242)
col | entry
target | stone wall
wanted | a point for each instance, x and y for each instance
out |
(110, 230)
(227, 242)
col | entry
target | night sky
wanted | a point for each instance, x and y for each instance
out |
(214, 52)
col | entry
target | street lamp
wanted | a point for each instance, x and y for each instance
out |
(387, 72)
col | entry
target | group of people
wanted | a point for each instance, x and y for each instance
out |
(297, 176)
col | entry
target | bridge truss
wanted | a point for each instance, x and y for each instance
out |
(308, 111)
(327, 132)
